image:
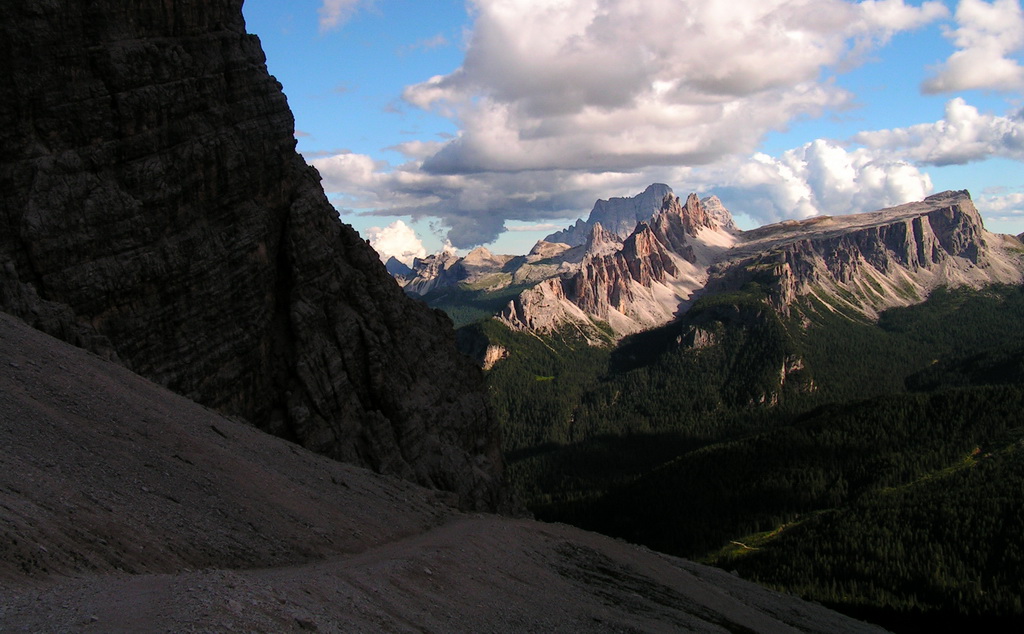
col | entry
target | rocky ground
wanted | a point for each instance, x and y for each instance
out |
(124, 507)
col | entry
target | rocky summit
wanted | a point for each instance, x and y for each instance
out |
(865, 263)
(856, 264)
(155, 212)
(617, 215)
(635, 283)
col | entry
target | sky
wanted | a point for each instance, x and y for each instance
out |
(458, 123)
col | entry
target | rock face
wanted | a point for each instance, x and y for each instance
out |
(714, 208)
(617, 215)
(865, 263)
(446, 269)
(155, 211)
(434, 271)
(634, 284)
(398, 269)
(858, 264)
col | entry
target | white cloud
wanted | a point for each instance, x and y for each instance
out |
(334, 13)
(962, 136)
(820, 177)
(591, 84)
(437, 41)
(472, 207)
(418, 149)
(397, 240)
(987, 37)
(885, 17)
(561, 102)
(817, 178)
(1001, 206)
(348, 171)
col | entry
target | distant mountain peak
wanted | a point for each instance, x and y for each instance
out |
(714, 208)
(397, 268)
(855, 264)
(600, 241)
(617, 215)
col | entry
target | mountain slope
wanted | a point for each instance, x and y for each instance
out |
(865, 263)
(125, 507)
(856, 265)
(617, 215)
(791, 443)
(633, 285)
(155, 211)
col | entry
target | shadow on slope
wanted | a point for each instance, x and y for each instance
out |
(125, 507)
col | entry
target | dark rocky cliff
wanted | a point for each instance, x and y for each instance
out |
(155, 211)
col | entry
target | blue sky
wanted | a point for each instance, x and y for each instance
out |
(496, 121)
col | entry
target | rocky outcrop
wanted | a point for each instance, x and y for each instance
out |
(866, 263)
(447, 269)
(154, 210)
(632, 285)
(492, 355)
(435, 271)
(858, 264)
(617, 215)
(717, 211)
(480, 261)
(600, 242)
(542, 308)
(631, 280)
(544, 250)
(398, 269)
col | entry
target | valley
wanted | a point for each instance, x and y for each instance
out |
(220, 412)
(836, 414)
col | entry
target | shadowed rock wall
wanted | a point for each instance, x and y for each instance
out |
(154, 210)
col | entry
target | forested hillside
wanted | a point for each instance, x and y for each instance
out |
(874, 466)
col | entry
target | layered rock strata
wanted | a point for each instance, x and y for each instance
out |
(866, 263)
(858, 264)
(634, 285)
(155, 211)
(434, 271)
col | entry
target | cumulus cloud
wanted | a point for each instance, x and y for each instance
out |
(589, 84)
(472, 208)
(962, 136)
(872, 170)
(819, 177)
(334, 13)
(544, 226)
(348, 170)
(1001, 205)
(987, 37)
(397, 240)
(561, 102)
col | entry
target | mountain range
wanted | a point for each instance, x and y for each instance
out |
(219, 411)
(677, 251)
(830, 406)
